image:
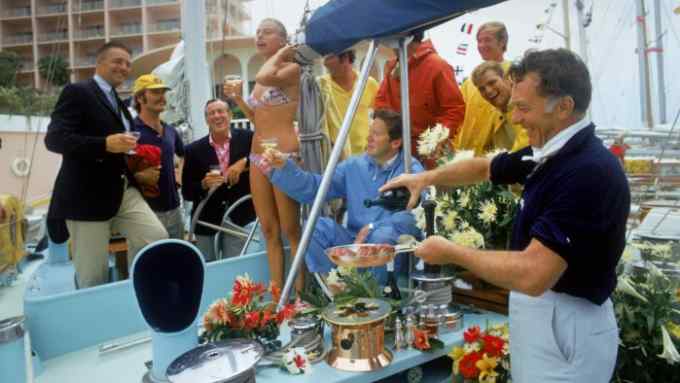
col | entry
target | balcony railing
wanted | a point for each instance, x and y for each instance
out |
(52, 9)
(125, 3)
(17, 12)
(53, 36)
(86, 61)
(157, 2)
(127, 29)
(165, 26)
(91, 32)
(21, 38)
(27, 66)
(86, 6)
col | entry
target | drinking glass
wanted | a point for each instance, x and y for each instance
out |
(269, 144)
(136, 136)
(215, 170)
(233, 80)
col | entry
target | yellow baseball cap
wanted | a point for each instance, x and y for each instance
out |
(148, 81)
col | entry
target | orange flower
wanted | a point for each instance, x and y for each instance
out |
(421, 339)
(275, 291)
(219, 313)
(266, 317)
(472, 334)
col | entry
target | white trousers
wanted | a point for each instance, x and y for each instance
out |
(134, 220)
(561, 338)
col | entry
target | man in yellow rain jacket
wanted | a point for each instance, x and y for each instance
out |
(482, 121)
(495, 88)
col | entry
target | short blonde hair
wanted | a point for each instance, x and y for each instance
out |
(482, 68)
(498, 29)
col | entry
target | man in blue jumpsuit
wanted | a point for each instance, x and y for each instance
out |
(356, 179)
(569, 232)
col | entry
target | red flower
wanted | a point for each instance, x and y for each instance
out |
(266, 317)
(252, 320)
(468, 365)
(287, 312)
(493, 345)
(421, 339)
(299, 361)
(472, 334)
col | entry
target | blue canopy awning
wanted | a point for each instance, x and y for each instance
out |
(340, 24)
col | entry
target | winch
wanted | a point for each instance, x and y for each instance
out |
(358, 335)
(433, 295)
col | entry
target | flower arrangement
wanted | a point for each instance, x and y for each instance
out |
(647, 307)
(245, 314)
(477, 216)
(484, 356)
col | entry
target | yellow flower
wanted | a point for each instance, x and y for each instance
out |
(464, 200)
(487, 369)
(450, 220)
(488, 212)
(456, 354)
(674, 329)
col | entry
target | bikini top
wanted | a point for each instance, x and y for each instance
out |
(272, 96)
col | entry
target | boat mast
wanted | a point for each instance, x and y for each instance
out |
(645, 91)
(196, 68)
(582, 40)
(567, 24)
(661, 82)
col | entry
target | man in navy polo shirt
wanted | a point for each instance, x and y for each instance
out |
(159, 183)
(568, 234)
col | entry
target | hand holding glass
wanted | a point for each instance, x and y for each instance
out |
(136, 136)
(232, 84)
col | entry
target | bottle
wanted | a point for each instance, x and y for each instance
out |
(393, 199)
(429, 207)
(391, 289)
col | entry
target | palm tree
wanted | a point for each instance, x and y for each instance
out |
(54, 69)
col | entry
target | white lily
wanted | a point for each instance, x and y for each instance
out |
(625, 286)
(670, 353)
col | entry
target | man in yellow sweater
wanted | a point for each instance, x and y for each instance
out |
(337, 87)
(483, 121)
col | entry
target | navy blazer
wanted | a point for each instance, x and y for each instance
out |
(89, 185)
(198, 156)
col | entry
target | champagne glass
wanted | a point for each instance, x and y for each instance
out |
(233, 80)
(269, 144)
(215, 170)
(136, 136)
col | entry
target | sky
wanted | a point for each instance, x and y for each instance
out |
(611, 46)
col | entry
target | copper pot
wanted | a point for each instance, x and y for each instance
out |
(358, 335)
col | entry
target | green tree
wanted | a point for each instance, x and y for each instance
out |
(10, 63)
(54, 69)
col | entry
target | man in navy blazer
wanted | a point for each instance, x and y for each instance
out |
(218, 160)
(94, 191)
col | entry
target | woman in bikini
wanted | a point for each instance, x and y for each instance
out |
(272, 107)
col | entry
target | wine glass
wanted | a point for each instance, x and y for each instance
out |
(136, 136)
(233, 80)
(269, 144)
(215, 170)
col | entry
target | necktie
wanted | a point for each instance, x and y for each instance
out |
(114, 101)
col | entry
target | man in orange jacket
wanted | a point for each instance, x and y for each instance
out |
(433, 92)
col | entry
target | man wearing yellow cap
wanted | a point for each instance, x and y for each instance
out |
(154, 164)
